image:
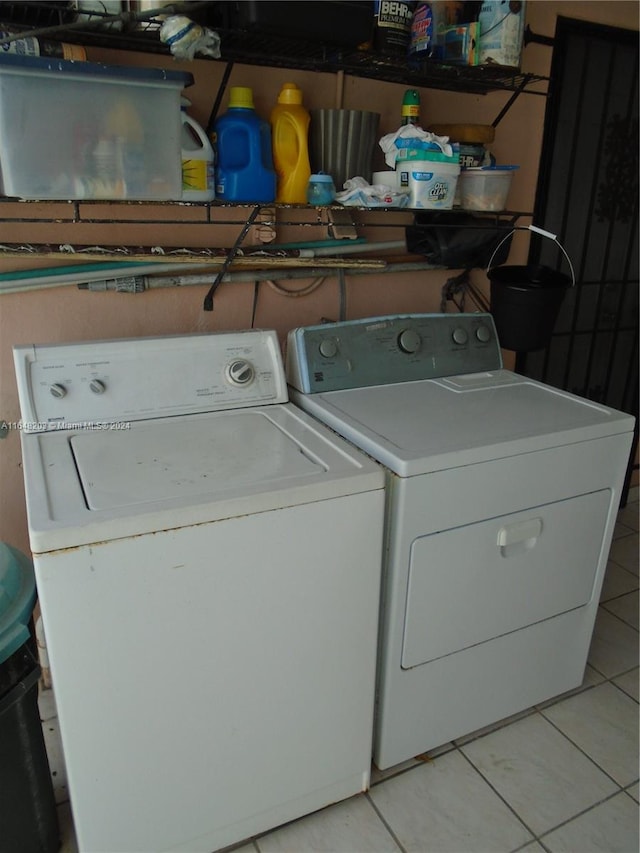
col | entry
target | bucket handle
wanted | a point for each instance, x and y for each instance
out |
(543, 233)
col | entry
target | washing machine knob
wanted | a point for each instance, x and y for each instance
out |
(409, 341)
(460, 335)
(57, 390)
(483, 334)
(97, 386)
(328, 348)
(240, 372)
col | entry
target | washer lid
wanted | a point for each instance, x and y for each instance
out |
(91, 485)
(430, 425)
(168, 459)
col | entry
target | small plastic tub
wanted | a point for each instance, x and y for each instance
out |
(485, 187)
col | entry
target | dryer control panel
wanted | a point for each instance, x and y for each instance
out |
(384, 350)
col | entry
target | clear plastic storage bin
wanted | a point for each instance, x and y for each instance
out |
(485, 187)
(82, 130)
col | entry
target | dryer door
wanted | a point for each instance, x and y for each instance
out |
(470, 584)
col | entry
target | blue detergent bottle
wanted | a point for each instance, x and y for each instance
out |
(244, 170)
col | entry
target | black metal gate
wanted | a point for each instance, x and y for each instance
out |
(588, 195)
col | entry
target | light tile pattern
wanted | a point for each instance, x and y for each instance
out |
(350, 825)
(445, 805)
(534, 767)
(625, 607)
(559, 778)
(605, 827)
(629, 682)
(603, 723)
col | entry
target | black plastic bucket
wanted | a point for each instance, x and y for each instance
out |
(525, 301)
(28, 815)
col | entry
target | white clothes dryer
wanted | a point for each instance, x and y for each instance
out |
(207, 559)
(502, 495)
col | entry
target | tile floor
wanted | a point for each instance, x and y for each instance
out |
(562, 776)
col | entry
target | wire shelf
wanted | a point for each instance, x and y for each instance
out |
(61, 21)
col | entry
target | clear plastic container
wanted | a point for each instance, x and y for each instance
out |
(74, 130)
(485, 188)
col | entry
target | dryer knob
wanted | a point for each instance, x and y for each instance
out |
(328, 348)
(97, 386)
(58, 390)
(483, 334)
(240, 372)
(460, 335)
(409, 341)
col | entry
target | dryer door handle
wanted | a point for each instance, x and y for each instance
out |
(522, 533)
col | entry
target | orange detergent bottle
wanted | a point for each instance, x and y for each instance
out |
(290, 142)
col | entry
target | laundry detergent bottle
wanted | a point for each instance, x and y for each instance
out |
(244, 170)
(290, 140)
(198, 179)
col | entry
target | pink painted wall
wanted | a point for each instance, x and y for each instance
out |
(66, 314)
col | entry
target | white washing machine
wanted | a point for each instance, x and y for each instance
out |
(207, 560)
(502, 495)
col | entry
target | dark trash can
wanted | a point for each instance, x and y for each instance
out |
(28, 816)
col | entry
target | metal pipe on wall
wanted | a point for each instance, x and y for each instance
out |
(144, 283)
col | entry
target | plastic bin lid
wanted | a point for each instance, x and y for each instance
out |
(17, 599)
(50, 65)
(490, 169)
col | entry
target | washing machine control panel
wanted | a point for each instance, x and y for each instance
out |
(383, 350)
(101, 383)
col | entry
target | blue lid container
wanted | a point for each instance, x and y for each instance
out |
(84, 130)
(17, 599)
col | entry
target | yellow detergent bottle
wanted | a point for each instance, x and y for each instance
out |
(290, 142)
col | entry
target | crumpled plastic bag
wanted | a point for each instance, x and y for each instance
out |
(360, 193)
(186, 38)
(409, 140)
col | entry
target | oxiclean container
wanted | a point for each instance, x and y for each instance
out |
(432, 183)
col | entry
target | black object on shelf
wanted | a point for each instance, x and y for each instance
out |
(339, 22)
(458, 240)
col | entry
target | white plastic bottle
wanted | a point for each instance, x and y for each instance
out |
(198, 179)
